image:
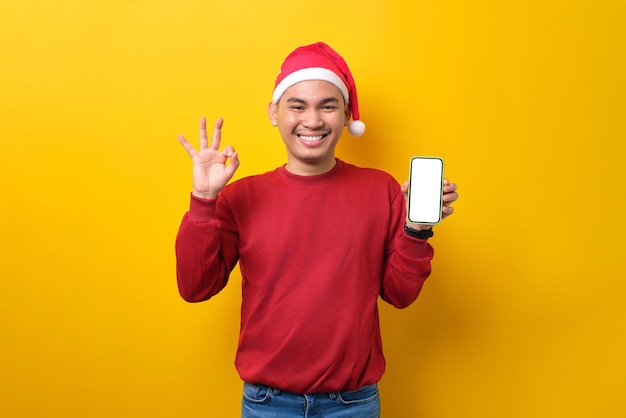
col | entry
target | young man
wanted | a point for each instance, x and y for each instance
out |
(317, 241)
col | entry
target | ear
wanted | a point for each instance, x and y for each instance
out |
(271, 113)
(348, 114)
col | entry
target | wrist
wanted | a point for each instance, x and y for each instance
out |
(424, 232)
(418, 227)
(203, 195)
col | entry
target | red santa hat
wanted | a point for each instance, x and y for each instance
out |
(320, 62)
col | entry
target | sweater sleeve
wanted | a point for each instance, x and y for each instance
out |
(407, 263)
(205, 256)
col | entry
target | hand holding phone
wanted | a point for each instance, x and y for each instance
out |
(425, 198)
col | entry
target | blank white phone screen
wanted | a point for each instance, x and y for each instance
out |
(425, 190)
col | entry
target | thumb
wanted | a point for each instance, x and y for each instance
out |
(233, 164)
(405, 188)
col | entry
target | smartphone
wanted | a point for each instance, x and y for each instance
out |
(425, 190)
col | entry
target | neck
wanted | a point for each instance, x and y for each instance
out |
(302, 168)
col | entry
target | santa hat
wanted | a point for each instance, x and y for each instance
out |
(319, 62)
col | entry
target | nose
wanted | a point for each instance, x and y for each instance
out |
(311, 119)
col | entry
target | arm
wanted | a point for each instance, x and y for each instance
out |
(205, 253)
(408, 260)
(203, 262)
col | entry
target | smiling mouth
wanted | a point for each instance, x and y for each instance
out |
(312, 138)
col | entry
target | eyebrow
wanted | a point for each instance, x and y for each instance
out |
(324, 101)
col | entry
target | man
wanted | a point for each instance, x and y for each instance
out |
(317, 241)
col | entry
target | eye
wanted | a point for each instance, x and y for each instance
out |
(329, 108)
(297, 108)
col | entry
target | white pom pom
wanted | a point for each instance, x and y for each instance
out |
(356, 128)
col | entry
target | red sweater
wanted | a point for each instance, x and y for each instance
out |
(314, 252)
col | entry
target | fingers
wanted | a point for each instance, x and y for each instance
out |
(217, 133)
(448, 187)
(449, 196)
(204, 141)
(234, 164)
(228, 151)
(449, 192)
(446, 211)
(405, 188)
(188, 147)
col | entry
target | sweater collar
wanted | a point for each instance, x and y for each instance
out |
(311, 180)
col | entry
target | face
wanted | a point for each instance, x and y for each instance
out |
(310, 117)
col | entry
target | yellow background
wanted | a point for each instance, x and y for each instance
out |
(525, 100)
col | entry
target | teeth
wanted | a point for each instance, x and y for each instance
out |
(311, 138)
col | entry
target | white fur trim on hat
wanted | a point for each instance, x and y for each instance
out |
(313, 73)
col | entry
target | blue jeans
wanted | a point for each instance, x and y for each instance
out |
(265, 402)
